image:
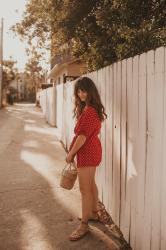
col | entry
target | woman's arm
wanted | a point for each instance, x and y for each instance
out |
(77, 145)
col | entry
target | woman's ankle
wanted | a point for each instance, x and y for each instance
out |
(95, 211)
(84, 222)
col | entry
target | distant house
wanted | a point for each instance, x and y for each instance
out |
(65, 67)
(18, 87)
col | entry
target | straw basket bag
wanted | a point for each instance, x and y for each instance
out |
(68, 176)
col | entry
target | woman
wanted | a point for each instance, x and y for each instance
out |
(86, 145)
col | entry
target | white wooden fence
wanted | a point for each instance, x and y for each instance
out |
(132, 175)
(47, 99)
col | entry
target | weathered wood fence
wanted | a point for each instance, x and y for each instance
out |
(132, 175)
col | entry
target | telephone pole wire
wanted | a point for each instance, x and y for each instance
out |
(1, 60)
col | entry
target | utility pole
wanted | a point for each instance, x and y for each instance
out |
(1, 60)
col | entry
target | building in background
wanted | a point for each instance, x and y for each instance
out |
(23, 88)
(18, 88)
(65, 67)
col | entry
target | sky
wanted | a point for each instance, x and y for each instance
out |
(11, 11)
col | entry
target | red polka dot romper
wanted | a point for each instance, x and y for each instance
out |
(88, 124)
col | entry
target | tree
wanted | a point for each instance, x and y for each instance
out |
(9, 72)
(102, 31)
(133, 26)
(33, 68)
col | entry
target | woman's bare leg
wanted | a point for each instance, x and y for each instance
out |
(95, 197)
(86, 177)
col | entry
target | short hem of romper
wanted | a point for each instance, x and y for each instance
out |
(88, 166)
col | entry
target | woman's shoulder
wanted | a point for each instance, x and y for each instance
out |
(90, 111)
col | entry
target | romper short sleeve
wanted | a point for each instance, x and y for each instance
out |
(88, 122)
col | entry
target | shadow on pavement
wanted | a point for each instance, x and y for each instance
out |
(35, 213)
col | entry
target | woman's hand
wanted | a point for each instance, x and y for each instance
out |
(69, 158)
(77, 145)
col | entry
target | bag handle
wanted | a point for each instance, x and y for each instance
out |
(69, 164)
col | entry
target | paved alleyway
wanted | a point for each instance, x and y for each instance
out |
(35, 213)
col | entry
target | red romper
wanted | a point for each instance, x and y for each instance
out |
(88, 124)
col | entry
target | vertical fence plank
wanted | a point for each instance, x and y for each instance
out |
(140, 151)
(54, 116)
(107, 138)
(116, 145)
(109, 143)
(103, 99)
(129, 166)
(69, 124)
(64, 115)
(123, 226)
(104, 139)
(134, 148)
(101, 86)
(113, 138)
(59, 113)
(158, 150)
(99, 171)
(71, 121)
(67, 127)
(145, 244)
(118, 139)
(47, 111)
(163, 174)
(45, 102)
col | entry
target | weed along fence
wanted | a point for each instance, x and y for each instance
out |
(132, 175)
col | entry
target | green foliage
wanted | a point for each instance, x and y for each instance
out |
(33, 69)
(9, 72)
(102, 31)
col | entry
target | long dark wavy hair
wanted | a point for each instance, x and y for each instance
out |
(93, 98)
